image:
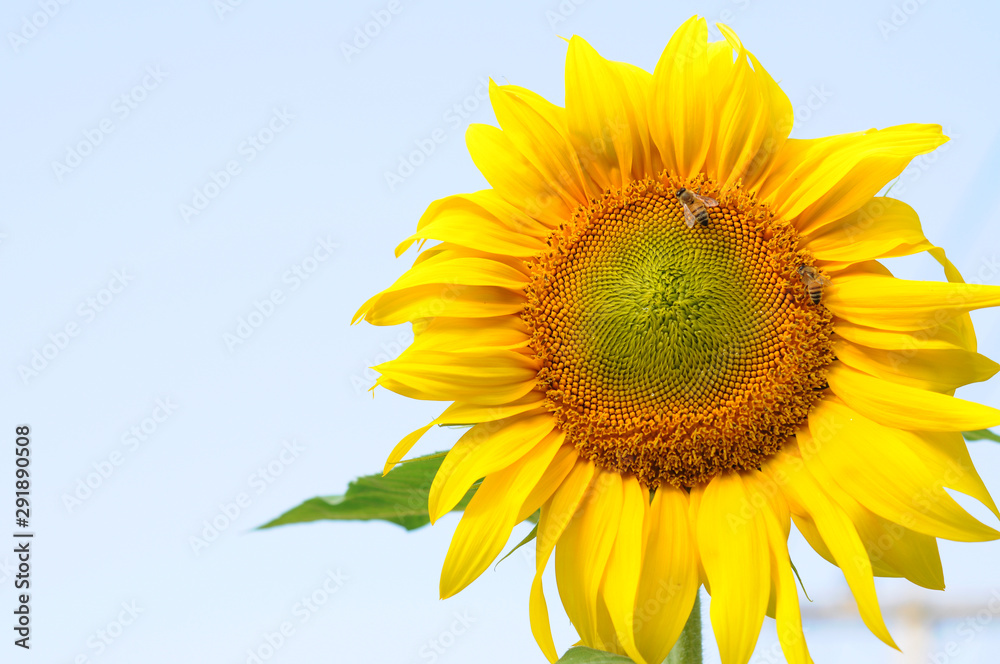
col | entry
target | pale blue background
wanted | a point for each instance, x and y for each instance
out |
(301, 375)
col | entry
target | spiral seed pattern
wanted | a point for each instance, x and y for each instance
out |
(676, 353)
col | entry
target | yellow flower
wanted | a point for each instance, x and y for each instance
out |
(655, 376)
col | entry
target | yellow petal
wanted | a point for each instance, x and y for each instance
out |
(485, 207)
(483, 204)
(838, 534)
(732, 539)
(754, 116)
(694, 507)
(489, 377)
(539, 131)
(946, 455)
(482, 232)
(621, 579)
(491, 515)
(898, 304)
(937, 370)
(557, 513)
(880, 228)
(817, 181)
(840, 270)
(633, 85)
(583, 553)
(877, 466)
(598, 121)
(783, 165)
(404, 446)
(446, 299)
(669, 581)
(897, 551)
(486, 448)
(469, 271)
(463, 413)
(913, 562)
(445, 252)
(893, 549)
(950, 317)
(465, 334)
(787, 615)
(514, 177)
(962, 322)
(606, 631)
(905, 407)
(726, 83)
(680, 117)
(563, 462)
(946, 336)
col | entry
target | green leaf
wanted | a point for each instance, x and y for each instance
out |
(981, 434)
(399, 497)
(581, 655)
(435, 455)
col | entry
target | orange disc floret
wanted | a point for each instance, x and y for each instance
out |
(676, 353)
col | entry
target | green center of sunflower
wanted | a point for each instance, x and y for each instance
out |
(676, 353)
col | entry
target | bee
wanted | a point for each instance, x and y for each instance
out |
(814, 282)
(694, 207)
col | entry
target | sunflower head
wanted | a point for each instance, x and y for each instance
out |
(673, 352)
(667, 323)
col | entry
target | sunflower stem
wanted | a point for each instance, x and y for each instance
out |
(687, 650)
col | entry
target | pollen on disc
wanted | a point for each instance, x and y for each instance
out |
(676, 353)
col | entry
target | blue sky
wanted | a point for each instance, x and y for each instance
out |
(196, 202)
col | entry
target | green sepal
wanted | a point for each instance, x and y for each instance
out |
(582, 655)
(527, 538)
(981, 434)
(797, 576)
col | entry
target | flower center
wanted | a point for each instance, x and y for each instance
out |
(670, 352)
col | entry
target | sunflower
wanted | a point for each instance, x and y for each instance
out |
(667, 325)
